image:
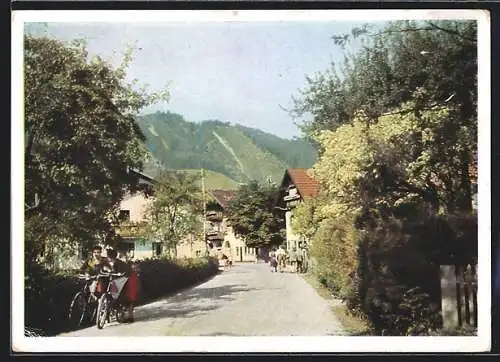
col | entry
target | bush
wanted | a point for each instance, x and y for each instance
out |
(398, 284)
(48, 295)
(159, 277)
(334, 249)
(47, 299)
(458, 331)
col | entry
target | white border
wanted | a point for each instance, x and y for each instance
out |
(249, 344)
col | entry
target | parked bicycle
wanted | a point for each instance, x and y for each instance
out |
(83, 307)
(109, 304)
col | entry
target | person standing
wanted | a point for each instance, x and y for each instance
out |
(281, 258)
(293, 259)
(299, 260)
(129, 293)
(96, 263)
(273, 262)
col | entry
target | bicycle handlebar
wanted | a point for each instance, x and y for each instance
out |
(85, 276)
(107, 274)
(100, 274)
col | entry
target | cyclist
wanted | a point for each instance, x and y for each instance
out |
(129, 293)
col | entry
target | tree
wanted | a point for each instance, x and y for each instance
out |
(428, 62)
(393, 62)
(81, 142)
(253, 217)
(176, 210)
(396, 133)
(362, 164)
(304, 221)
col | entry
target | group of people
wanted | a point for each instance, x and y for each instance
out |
(279, 258)
(111, 263)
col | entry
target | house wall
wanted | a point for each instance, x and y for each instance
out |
(191, 247)
(238, 251)
(232, 246)
(137, 205)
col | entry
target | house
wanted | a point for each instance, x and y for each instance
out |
(132, 215)
(70, 254)
(297, 185)
(220, 236)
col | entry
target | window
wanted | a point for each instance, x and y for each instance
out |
(237, 251)
(227, 244)
(142, 246)
(124, 215)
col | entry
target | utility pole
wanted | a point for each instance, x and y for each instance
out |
(204, 210)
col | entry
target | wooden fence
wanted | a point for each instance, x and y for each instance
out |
(466, 282)
(459, 295)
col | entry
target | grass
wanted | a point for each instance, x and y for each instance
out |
(353, 325)
(215, 180)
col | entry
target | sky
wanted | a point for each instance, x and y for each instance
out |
(237, 72)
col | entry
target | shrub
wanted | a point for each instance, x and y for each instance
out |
(398, 285)
(334, 249)
(458, 331)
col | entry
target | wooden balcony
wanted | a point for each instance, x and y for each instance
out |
(214, 235)
(129, 230)
(214, 216)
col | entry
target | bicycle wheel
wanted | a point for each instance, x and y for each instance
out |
(77, 309)
(103, 309)
(91, 309)
(120, 314)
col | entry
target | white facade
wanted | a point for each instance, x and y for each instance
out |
(292, 240)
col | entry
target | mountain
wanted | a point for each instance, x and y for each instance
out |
(233, 153)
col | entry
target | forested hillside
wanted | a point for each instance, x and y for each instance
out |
(239, 153)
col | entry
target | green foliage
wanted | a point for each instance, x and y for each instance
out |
(362, 162)
(240, 153)
(253, 217)
(80, 142)
(306, 217)
(215, 180)
(394, 61)
(175, 211)
(160, 277)
(296, 153)
(399, 256)
(396, 129)
(333, 246)
(459, 331)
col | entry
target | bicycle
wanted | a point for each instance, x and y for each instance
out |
(109, 302)
(84, 303)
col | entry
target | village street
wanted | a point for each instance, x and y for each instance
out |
(247, 300)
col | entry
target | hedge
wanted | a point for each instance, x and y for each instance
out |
(48, 295)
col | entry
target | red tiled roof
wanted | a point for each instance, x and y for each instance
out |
(306, 185)
(223, 197)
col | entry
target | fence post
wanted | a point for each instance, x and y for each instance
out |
(449, 296)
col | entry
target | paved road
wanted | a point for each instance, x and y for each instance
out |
(247, 300)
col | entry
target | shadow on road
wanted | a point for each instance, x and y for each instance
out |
(220, 334)
(224, 292)
(189, 303)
